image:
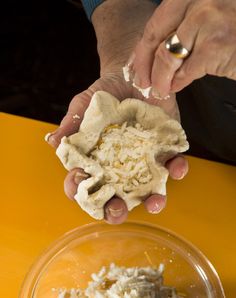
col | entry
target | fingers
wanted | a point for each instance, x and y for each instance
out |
(72, 180)
(157, 29)
(192, 69)
(207, 51)
(155, 203)
(204, 27)
(70, 123)
(207, 57)
(177, 167)
(163, 70)
(166, 64)
(116, 211)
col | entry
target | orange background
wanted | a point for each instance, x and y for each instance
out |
(35, 211)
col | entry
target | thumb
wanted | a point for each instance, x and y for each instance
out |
(71, 122)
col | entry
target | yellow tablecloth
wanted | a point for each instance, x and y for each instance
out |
(35, 211)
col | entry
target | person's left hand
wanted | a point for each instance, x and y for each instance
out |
(115, 209)
(118, 25)
(207, 28)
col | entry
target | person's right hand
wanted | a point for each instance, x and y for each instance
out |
(206, 28)
(114, 83)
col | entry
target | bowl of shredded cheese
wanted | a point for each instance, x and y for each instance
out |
(132, 260)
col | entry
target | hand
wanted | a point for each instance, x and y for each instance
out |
(205, 27)
(118, 25)
(115, 210)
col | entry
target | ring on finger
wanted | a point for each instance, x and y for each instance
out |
(175, 47)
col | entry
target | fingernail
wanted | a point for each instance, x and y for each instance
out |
(115, 212)
(137, 80)
(47, 136)
(156, 94)
(180, 175)
(79, 177)
(156, 209)
(50, 139)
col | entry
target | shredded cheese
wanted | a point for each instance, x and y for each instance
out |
(121, 151)
(122, 282)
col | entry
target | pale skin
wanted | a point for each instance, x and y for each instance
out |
(118, 26)
(207, 28)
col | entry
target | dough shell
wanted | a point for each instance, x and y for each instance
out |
(104, 110)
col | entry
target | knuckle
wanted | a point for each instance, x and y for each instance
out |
(79, 101)
(164, 57)
(206, 11)
(221, 34)
(225, 67)
(75, 98)
(225, 33)
(149, 36)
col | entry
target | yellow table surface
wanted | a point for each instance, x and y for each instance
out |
(35, 211)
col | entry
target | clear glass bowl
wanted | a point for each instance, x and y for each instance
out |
(71, 260)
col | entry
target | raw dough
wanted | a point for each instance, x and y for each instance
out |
(123, 146)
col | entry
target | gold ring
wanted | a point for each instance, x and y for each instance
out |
(174, 46)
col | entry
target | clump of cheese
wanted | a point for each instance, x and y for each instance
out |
(121, 151)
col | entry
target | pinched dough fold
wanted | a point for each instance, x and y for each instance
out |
(123, 146)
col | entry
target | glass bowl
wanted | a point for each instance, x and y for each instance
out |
(71, 260)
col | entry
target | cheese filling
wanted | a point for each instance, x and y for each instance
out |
(122, 282)
(122, 152)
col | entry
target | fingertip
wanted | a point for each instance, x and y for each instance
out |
(155, 203)
(71, 122)
(177, 167)
(116, 211)
(142, 66)
(72, 180)
(52, 139)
